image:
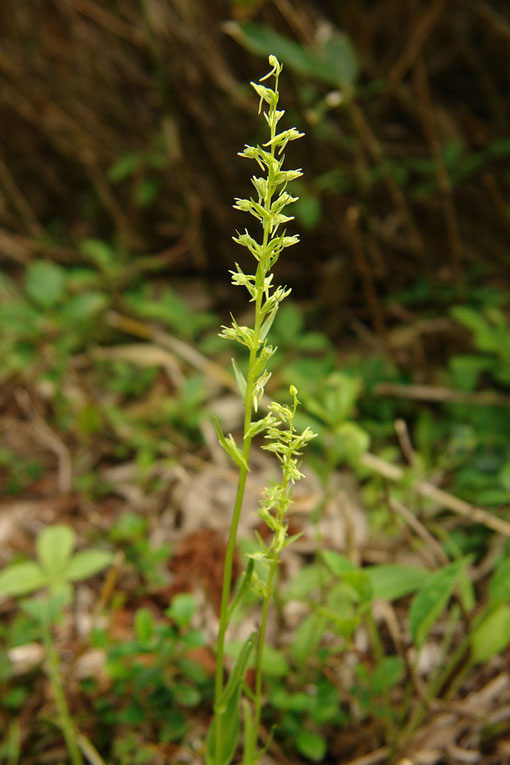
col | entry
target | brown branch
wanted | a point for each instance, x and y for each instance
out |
(17, 199)
(416, 39)
(428, 120)
(441, 395)
(376, 152)
(372, 299)
(445, 499)
(181, 349)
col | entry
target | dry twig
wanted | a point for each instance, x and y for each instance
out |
(441, 497)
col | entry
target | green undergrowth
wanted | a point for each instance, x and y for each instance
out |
(155, 691)
(122, 371)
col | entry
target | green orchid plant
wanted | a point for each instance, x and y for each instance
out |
(267, 206)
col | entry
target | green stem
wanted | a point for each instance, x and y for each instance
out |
(459, 679)
(378, 649)
(261, 639)
(55, 677)
(432, 691)
(260, 646)
(231, 545)
(13, 745)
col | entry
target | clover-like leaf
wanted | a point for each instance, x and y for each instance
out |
(47, 610)
(22, 578)
(87, 563)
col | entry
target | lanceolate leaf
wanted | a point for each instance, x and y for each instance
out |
(243, 588)
(231, 447)
(240, 380)
(337, 562)
(268, 323)
(250, 734)
(227, 712)
(230, 727)
(237, 674)
(392, 580)
(431, 600)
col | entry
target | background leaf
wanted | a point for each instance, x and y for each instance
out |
(499, 587)
(87, 563)
(54, 547)
(431, 600)
(392, 581)
(144, 625)
(44, 283)
(21, 578)
(182, 608)
(337, 62)
(312, 745)
(492, 636)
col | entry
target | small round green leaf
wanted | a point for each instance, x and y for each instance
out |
(186, 695)
(492, 636)
(45, 283)
(311, 745)
(308, 211)
(182, 608)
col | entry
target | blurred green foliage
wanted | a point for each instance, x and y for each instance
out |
(123, 163)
